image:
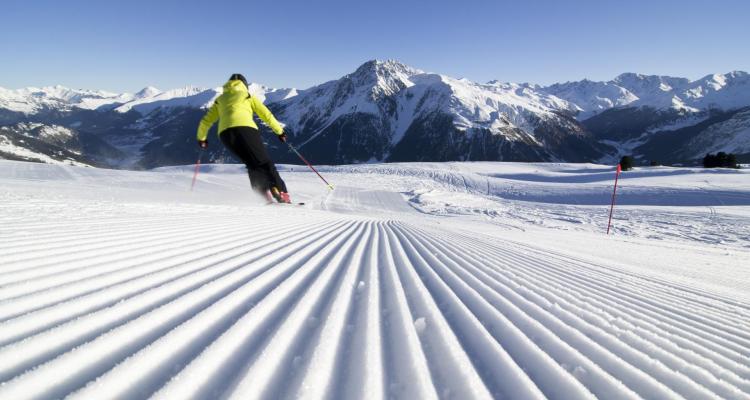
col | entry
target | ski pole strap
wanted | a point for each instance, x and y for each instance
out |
(309, 165)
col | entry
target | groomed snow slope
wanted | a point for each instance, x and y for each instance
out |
(408, 281)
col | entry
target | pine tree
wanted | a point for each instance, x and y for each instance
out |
(626, 162)
(732, 161)
(720, 160)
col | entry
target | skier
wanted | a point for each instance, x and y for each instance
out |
(238, 132)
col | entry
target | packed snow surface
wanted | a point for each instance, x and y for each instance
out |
(408, 281)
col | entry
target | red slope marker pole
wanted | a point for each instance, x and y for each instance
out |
(309, 165)
(612, 207)
(197, 168)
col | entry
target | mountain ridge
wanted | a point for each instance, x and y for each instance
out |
(389, 111)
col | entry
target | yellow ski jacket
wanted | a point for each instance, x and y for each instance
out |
(235, 107)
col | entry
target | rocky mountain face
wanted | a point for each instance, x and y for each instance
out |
(386, 112)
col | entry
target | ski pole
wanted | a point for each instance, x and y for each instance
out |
(611, 207)
(197, 168)
(309, 165)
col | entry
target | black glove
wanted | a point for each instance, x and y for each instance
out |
(203, 144)
(282, 138)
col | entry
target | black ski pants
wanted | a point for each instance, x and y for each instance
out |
(245, 143)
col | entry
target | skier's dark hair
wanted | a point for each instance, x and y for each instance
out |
(238, 77)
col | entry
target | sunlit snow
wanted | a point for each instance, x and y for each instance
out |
(410, 281)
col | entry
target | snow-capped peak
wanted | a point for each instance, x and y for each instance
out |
(383, 69)
(269, 95)
(653, 90)
(397, 95)
(723, 91)
(384, 77)
(194, 97)
(33, 99)
(495, 106)
(591, 97)
(187, 96)
(148, 91)
(640, 84)
(364, 90)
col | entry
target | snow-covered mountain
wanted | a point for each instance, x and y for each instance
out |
(34, 100)
(406, 94)
(729, 136)
(589, 97)
(183, 97)
(192, 97)
(663, 118)
(388, 111)
(717, 91)
(139, 129)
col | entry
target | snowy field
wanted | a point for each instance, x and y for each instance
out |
(409, 281)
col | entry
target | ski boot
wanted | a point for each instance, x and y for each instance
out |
(281, 197)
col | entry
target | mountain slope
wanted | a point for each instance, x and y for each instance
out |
(646, 116)
(591, 98)
(720, 131)
(54, 144)
(388, 111)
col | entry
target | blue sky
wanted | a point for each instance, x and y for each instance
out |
(126, 45)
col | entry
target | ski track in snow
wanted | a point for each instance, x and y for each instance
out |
(301, 303)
